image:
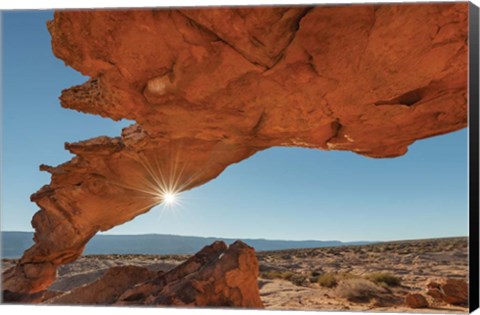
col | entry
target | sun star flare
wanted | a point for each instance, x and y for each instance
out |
(169, 198)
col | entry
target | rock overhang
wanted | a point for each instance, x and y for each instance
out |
(211, 87)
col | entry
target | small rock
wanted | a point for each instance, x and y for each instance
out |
(416, 300)
(436, 294)
(456, 292)
(433, 285)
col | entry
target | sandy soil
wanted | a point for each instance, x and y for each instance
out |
(292, 279)
(415, 263)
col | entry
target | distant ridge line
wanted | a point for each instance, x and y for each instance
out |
(15, 243)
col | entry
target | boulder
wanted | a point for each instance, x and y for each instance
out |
(433, 285)
(416, 300)
(451, 291)
(455, 292)
(216, 276)
(436, 294)
(34, 298)
(107, 288)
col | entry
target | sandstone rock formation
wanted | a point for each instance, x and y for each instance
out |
(107, 288)
(211, 87)
(455, 292)
(215, 276)
(451, 291)
(416, 300)
(34, 298)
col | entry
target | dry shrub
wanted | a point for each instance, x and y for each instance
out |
(358, 290)
(385, 279)
(327, 280)
(330, 280)
(346, 275)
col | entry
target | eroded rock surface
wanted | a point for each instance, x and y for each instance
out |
(215, 276)
(451, 291)
(211, 87)
(107, 288)
(416, 300)
(37, 297)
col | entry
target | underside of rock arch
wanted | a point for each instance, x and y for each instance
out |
(211, 87)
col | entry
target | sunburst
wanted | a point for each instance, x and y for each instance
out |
(169, 198)
(163, 182)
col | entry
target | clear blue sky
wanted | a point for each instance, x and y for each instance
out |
(281, 193)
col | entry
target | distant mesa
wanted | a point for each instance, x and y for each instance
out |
(15, 243)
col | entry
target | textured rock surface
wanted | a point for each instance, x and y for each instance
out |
(37, 297)
(416, 300)
(215, 276)
(436, 294)
(451, 291)
(455, 292)
(106, 289)
(210, 87)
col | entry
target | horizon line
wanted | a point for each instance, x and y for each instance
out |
(268, 239)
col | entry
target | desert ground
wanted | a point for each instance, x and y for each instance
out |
(375, 277)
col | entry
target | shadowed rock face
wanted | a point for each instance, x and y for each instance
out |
(215, 276)
(107, 289)
(451, 291)
(416, 300)
(211, 87)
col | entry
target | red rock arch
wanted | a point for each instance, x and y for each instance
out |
(210, 87)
